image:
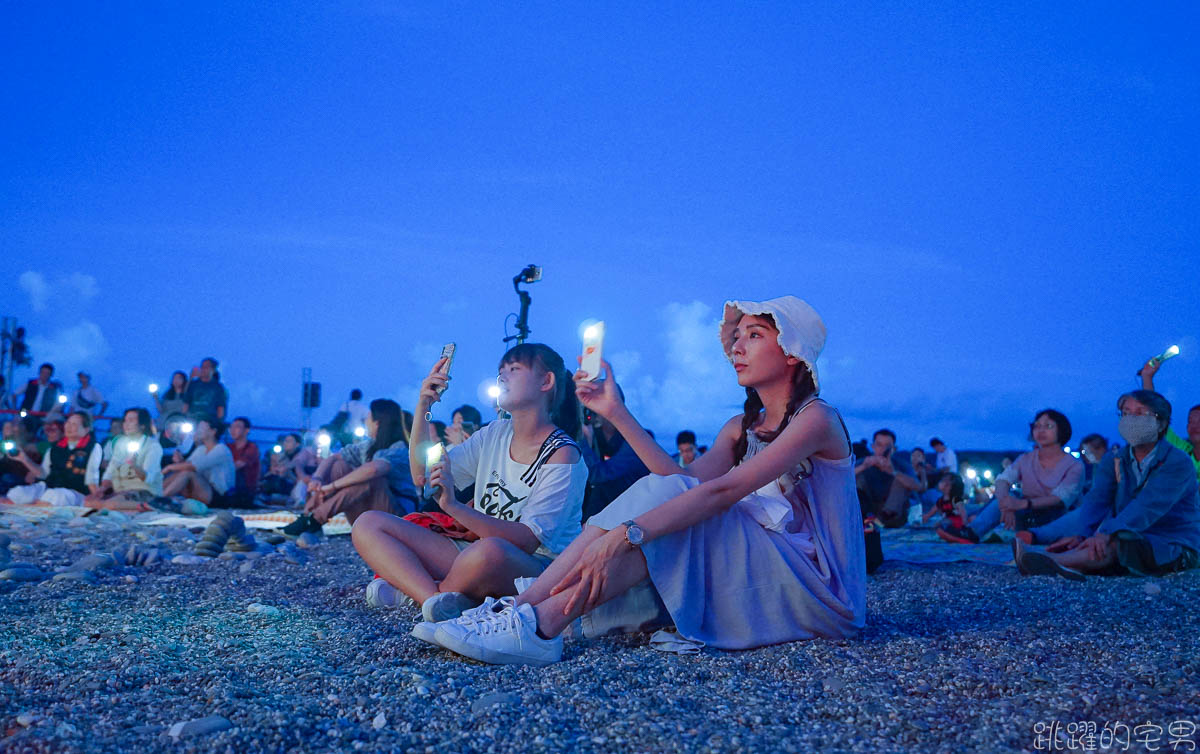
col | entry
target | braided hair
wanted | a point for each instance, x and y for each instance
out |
(803, 387)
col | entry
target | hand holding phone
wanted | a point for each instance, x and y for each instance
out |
(447, 355)
(433, 456)
(593, 346)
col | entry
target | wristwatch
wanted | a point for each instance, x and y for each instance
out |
(634, 534)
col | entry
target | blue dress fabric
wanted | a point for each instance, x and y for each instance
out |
(786, 563)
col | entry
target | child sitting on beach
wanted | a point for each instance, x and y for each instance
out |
(529, 483)
(951, 503)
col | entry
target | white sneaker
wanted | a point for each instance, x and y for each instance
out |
(446, 606)
(426, 632)
(382, 594)
(503, 635)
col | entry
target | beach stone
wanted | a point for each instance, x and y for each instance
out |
(85, 576)
(22, 572)
(65, 730)
(186, 559)
(1151, 588)
(246, 567)
(244, 543)
(268, 611)
(273, 538)
(154, 555)
(94, 562)
(493, 699)
(308, 540)
(25, 719)
(208, 549)
(199, 727)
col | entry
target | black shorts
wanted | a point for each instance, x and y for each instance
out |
(1136, 555)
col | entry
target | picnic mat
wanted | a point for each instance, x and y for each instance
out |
(43, 512)
(276, 520)
(920, 545)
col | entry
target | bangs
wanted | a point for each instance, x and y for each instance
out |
(526, 354)
(767, 318)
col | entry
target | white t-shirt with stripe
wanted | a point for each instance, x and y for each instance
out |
(546, 497)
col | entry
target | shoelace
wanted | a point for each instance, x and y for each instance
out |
(487, 619)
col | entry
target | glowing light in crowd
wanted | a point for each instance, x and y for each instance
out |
(360, 432)
(187, 428)
(588, 329)
(1171, 352)
(1066, 448)
(62, 399)
(154, 387)
(987, 474)
(24, 413)
(324, 439)
(434, 454)
(277, 449)
(493, 392)
(971, 473)
(133, 446)
(9, 445)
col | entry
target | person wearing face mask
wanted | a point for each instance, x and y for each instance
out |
(1142, 514)
(1191, 444)
(1050, 480)
(1092, 448)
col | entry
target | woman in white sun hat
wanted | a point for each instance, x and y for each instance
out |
(758, 542)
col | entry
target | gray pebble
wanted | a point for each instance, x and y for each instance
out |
(199, 727)
(493, 699)
(22, 573)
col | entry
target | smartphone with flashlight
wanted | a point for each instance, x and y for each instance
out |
(10, 447)
(448, 355)
(433, 457)
(593, 346)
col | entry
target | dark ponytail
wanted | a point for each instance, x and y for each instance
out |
(563, 407)
(802, 388)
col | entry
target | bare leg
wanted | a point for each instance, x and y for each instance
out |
(1082, 560)
(625, 572)
(488, 567)
(539, 590)
(176, 482)
(409, 557)
(198, 488)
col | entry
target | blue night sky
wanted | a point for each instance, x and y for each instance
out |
(994, 208)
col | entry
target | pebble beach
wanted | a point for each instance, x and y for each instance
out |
(138, 645)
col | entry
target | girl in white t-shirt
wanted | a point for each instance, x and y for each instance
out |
(528, 478)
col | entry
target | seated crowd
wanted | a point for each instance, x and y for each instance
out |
(567, 513)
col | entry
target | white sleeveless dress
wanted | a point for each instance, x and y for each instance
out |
(787, 562)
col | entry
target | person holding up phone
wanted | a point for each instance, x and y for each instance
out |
(759, 542)
(529, 482)
(69, 471)
(134, 473)
(369, 475)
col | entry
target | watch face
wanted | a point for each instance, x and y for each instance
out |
(634, 534)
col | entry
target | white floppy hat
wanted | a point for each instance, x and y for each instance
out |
(801, 331)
